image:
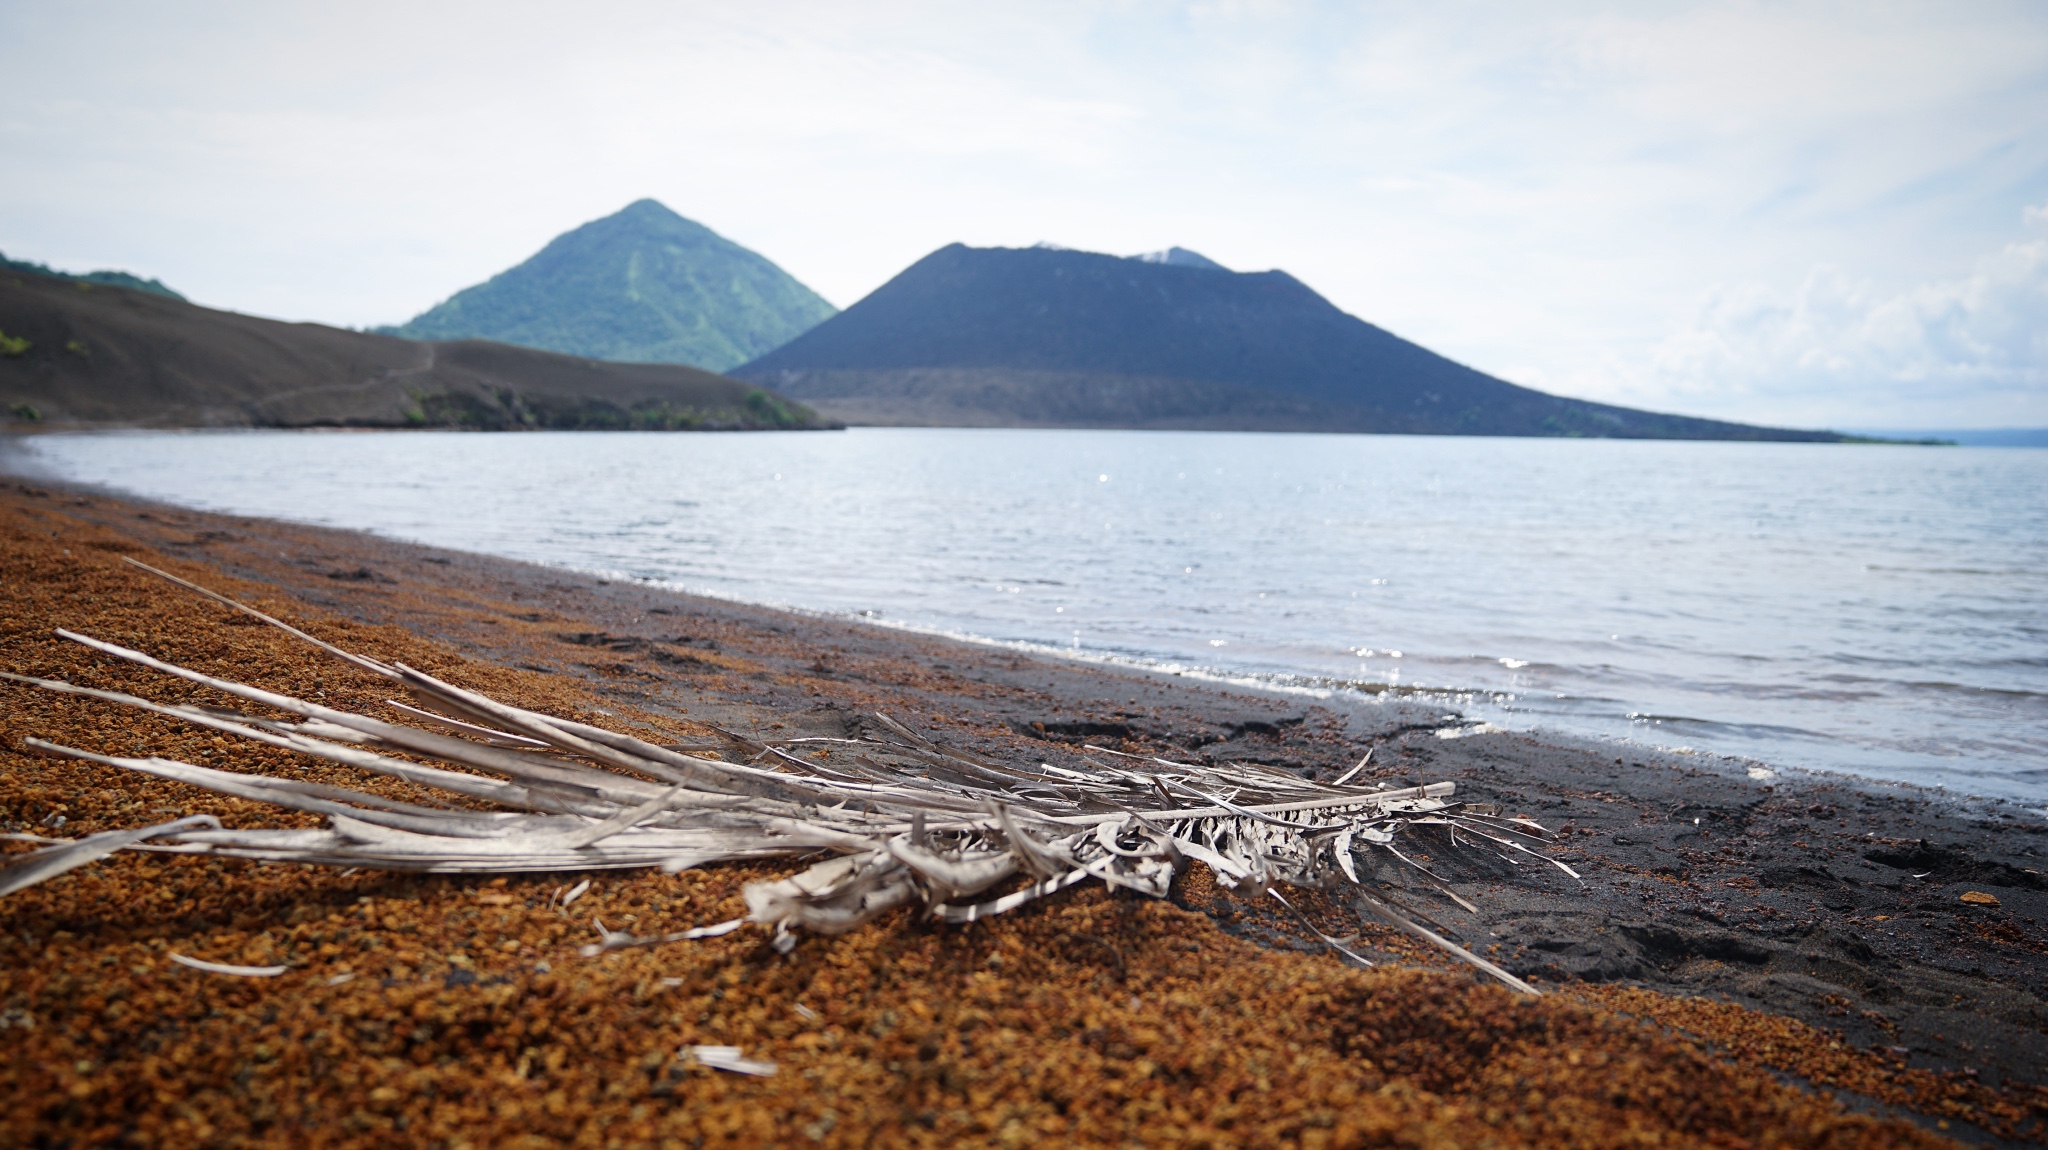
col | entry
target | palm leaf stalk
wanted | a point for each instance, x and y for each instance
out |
(902, 819)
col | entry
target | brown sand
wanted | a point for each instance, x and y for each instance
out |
(466, 1017)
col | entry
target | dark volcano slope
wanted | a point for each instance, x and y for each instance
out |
(82, 354)
(1038, 337)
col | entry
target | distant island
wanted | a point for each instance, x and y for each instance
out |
(79, 353)
(643, 285)
(1048, 337)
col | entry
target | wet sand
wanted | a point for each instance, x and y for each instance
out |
(1747, 959)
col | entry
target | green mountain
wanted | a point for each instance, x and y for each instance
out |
(114, 278)
(642, 286)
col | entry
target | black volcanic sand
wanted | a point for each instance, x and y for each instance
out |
(1828, 900)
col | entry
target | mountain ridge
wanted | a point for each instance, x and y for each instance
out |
(1051, 337)
(117, 357)
(106, 276)
(642, 285)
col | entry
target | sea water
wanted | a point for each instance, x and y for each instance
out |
(1879, 610)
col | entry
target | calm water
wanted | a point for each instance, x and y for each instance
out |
(1879, 610)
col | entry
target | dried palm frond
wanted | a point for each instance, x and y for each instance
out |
(905, 820)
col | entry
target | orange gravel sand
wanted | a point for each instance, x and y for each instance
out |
(1823, 1059)
(455, 1012)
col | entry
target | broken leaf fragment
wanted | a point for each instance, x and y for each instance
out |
(728, 1058)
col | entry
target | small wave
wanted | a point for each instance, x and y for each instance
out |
(2006, 573)
(1974, 689)
(1723, 726)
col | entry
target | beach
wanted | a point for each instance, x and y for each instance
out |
(1753, 954)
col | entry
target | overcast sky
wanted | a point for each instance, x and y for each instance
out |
(1825, 214)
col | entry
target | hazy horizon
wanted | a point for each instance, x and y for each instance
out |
(1806, 215)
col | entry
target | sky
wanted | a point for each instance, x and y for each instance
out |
(1808, 214)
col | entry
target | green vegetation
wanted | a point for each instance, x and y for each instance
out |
(85, 280)
(76, 348)
(774, 411)
(642, 286)
(13, 345)
(26, 412)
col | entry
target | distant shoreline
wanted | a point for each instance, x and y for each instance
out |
(19, 428)
(1968, 437)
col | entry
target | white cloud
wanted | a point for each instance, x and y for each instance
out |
(1545, 192)
(1947, 353)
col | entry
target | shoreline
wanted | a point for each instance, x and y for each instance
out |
(1330, 691)
(1794, 895)
(1938, 701)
